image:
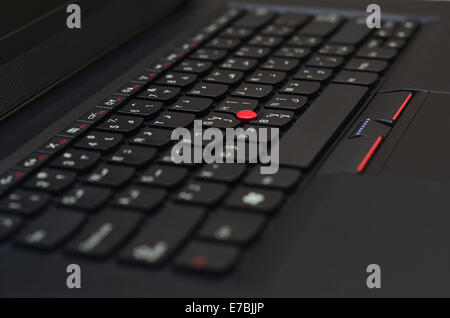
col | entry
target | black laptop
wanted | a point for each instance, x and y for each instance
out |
(111, 112)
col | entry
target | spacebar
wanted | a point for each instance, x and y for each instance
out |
(314, 129)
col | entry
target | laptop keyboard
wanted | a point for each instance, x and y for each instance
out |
(106, 186)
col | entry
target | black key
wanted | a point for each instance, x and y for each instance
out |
(293, 20)
(140, 198)
(410, 24)
(121, 124)
(358, 78)
(395, 43)
(356, 64)
(305, 41)
(220, 120)
(276, 118)
(197, 67)
(221, 172)
(163, 176)
(163, 235)
(145, 77)
(232, 227)
(105, 232)
(312, 131)
(277, 30)
(100, 141)
(284, 179)
(209, 90)
(203, 193)
(267, 77)
(132, 156)
(235, 105)
(32, 161)
(239, 64)
(182, 80)
(377, 53)
(287, 102)
(280, 64)
(207, 257)
(173, 120)
(256, 52)
(300, 87)
(24, 202)
(403, 33)
(51, 180)
(175, 156)
(236, 33)
(112, 102)
(160, 93)
(76, 159)
(253, 199)
(313, 74)
(192, 104)
(50, 229)
(94, 115)
(335, 49)
(224, 77)
(325, 61)
(74, 130)
(84, 197)
(322, 25)
(263, 40)
(109, 175)
(154, 137)
(54, 145)
(141, 107)
(293, 52)
(257, 91)
(373, 43)
(161, 66)
(10, 178)
(352, 32)
(129, 89)
(213, 55)
(223, 43)
(8, 225)
(255, 19)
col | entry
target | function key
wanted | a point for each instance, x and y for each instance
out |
(255, 19)
(33, 160)
(139, 107)
(10, 178)
(105, 232)
(198, 67)
(207, 257)
(170, 119)
(84, 197)
(8, 225)
(287, 102)
(182, 80)
(256, 52)
(94, 115)
(313, 74)
(209, 54)
(160, 66)
(128, 89)
(24, 202)
(258, 200)
(74, 130)
(163, 176)
(192, 104)
(54, 145)
(100, 141)
(160, 93)
(76, 159)
(50, 229)
(121, 124)
(51, 180)
(232, 227)
(145, 77)
(112, 101)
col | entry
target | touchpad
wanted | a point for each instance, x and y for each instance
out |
(424, 149)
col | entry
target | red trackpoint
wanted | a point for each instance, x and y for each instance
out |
(246, 115)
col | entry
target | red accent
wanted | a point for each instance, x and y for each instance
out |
(369, 155)
(119, 99)
(18, 175)
(62, 141)
(180, 54)
(42, 157)
(198, 261)
(152, 74)
(166, 64)
(246, 115)
(193, 44)
(83, 126)
(101, 112)
(402, 107)
(136, 86)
